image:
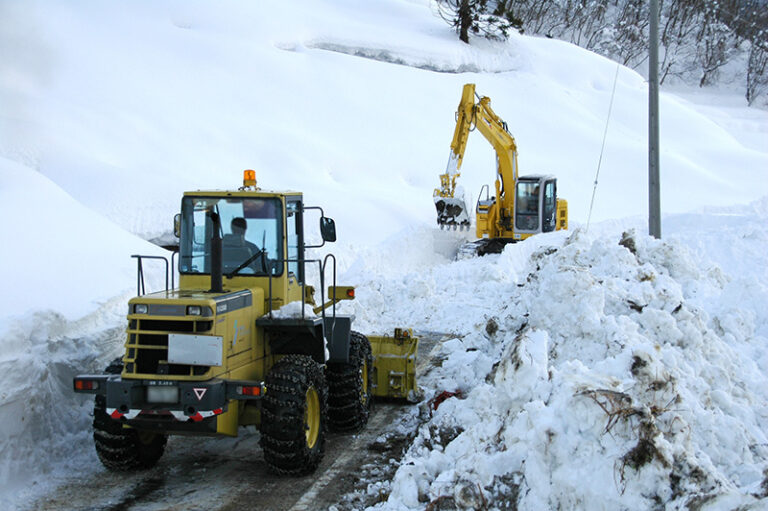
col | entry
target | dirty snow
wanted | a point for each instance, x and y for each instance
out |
(591, 375)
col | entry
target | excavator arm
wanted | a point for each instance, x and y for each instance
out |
(451, 208)
(474, 112)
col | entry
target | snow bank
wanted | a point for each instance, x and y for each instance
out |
(46, 428)
(60, 255)
(598, 381)
(67, 276)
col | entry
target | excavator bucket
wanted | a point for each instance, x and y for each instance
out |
(394, 365)
(452, 213)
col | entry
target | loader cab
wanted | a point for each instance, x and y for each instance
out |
(535, 204)
(248, 227)
(262, 242)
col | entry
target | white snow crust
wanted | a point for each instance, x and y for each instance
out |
(294, 310)
(591, 376)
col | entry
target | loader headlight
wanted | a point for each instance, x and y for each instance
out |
(194, 310)
(140, 308)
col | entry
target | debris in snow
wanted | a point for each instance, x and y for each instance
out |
(435, 402)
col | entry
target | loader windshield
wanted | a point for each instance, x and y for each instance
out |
(251, 229)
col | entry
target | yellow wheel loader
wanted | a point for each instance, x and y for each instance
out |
(241, 341)
(517, 208)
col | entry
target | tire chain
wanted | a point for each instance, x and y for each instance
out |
(283, 437)
(120, 449)
(346, 410)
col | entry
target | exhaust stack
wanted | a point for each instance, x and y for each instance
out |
(216, 272)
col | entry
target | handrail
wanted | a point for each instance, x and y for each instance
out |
(173, 269)
(322, 284)
(140, 288)
(480, 195)
(321, 267)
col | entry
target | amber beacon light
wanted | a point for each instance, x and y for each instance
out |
(249, 178)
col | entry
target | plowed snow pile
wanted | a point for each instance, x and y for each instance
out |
(606, 373)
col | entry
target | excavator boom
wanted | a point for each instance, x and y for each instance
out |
(499, 217)
(452, 210)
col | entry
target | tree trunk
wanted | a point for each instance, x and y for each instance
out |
(465, 20)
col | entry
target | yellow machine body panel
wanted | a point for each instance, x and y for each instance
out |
(167, 311)
(562, 214)
(394, 361)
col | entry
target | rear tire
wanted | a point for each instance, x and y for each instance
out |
(294, 410)
(350, 387)
(123, 449)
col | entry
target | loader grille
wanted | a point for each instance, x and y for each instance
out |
(146, 346)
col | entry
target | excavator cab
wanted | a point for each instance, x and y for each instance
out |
(536, 204)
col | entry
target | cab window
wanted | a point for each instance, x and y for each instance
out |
(550, 205)
(527, 206)
(251, 228)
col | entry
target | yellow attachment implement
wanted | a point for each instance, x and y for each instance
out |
(394, 365)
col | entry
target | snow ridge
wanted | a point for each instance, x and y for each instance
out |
(600, 385)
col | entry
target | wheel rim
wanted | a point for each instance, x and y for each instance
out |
(312, 417)
(145, 437)
(364, 378)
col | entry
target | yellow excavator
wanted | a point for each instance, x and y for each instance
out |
(519, 207)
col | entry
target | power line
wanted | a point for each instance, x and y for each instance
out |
(602, 146)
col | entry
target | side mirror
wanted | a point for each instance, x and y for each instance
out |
(327, 229)
(177, 225)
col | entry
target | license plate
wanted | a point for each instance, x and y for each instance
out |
(164, 394)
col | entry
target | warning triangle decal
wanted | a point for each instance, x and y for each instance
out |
(199, 393)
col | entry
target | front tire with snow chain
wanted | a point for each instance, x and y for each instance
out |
(122, 449)
(293, 420)
(350, 387)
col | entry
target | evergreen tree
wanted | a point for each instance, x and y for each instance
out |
(486, 18)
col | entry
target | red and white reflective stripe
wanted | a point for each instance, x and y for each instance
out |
(116, 414)
(205, 414)
(197, 416)
(177, 414)
(112, 412)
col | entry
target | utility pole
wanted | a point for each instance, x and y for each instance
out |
(654, 202)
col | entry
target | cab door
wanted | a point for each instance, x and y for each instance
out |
(295, 245)
(548, 216)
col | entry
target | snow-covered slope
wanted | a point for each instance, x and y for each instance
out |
(60, 255)
(124, 105)
(110, 110)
